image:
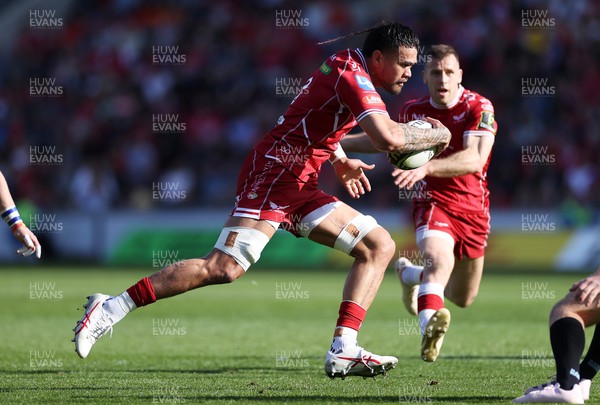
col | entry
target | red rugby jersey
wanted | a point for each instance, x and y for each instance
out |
(333, 101)
(470, 115)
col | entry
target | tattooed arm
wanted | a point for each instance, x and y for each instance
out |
(419, 138)
(389, 136)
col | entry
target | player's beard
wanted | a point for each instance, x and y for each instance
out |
(394, 88)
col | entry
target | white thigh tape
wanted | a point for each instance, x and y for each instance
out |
(243, 244)
(354, 232)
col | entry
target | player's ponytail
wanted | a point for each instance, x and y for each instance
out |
(385, 36)
(352, 34)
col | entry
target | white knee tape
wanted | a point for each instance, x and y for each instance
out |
(243, 244)
(354, 232)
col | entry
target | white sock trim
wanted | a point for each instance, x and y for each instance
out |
(348, 332)
(426, 314)
(432, 288)
(127, 301)
(118, 307)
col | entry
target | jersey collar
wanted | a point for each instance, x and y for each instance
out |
(363, 60)
(461, 90)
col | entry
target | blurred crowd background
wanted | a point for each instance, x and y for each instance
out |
(227, 92)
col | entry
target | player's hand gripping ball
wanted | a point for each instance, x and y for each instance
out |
(415, 159)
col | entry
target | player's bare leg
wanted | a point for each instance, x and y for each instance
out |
(103, 311)
(215, 268)
(463, 286)
(434, 318)
(372, 255)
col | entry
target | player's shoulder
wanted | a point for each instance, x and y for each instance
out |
(349, 59)
(476, 101)
(482, 111)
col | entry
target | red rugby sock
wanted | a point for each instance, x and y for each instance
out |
(430, 301)
(351, 315)
(142, 292)
(431, 296)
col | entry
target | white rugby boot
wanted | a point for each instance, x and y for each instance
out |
(552, 393)
(584, 384)
(357, 361)
(94, 323)
(436, 329)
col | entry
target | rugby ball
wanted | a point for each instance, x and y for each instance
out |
(415, 159)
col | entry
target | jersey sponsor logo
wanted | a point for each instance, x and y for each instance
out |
(364, 83)
(416, 116)
(487, 120)
(372, 100)
(325, 69)
(459, 117)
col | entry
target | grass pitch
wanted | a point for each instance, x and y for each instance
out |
(263, 339)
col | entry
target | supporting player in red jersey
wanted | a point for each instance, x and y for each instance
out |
(451, 207)
(278, 186)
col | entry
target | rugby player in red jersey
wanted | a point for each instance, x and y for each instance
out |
(277, 187)
(451, 209)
